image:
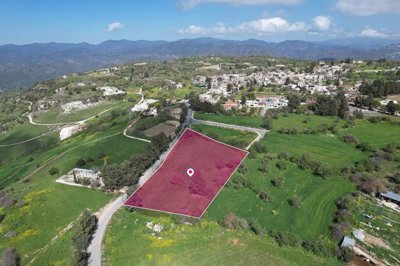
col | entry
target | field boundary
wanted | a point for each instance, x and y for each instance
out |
(216, 195)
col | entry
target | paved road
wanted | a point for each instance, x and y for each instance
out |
(259, 131)
(106, 214)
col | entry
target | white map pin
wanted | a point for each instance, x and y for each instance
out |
(190, 172)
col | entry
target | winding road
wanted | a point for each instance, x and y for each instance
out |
(259, 131)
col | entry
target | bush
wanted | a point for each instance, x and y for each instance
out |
(366, 147)
(80, 162)
(10, 258)
(281, 165)
(54, 171)
(264, 196)
(256, 227)
(295, 202)
(85, 228)
(264, 167)
(231, 221)
(349, 139)
(338, 230)
(346, 254)
(320, 247)
(277, 182)
(285, 239)
(358, 114)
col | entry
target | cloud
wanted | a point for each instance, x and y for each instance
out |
(259, 26)
(270, 25)
(218, 29)
(114, 26)
(372, 33)
(188, 4)
(322, 23)
(368, 7)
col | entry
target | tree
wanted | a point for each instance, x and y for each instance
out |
(287, 81)
(342, 104)
(80, 162)
(54, 171)
(326, 106)
(294, 102)
(392, 108)
(267, 123)
(10, 258)
(85, 228)
(277, 182)
(264, 167)
(295, 202)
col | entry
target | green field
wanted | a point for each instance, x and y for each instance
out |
(327, 149)
(230, 119)
(236, 138)
(49, 206)
(130, 242)
(298, 121)
(318, 197)
(376, 134)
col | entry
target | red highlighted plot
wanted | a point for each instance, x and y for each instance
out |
(192, 175)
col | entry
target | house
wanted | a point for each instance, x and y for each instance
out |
(347, 242)
(109, 91)
(229, 105)
(86, 173)
(390, 196)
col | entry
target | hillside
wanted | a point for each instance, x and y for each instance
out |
(23, 65)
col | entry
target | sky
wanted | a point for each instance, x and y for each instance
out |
(95, 21)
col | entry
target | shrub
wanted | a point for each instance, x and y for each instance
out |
(264, 196)
(285, 239)
(85, 228)
(281, 165)
(338, 230)
(283, 155)
(264, 167)
(358, 114)
(54, 171)
(10, 258)
(295, 202)
(256, 227)
(320, 247)
(95, 184)
(231, 221)
(364, 146)
(346, 254)
(80, 162)
(349, 139)
(277, 182)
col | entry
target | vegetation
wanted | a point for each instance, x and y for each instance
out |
(85, 228)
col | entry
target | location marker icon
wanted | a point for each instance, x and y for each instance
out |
(190, 172)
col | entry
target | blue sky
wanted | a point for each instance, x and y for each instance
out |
(28, 21)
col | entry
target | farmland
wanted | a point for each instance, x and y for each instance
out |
(199, 244)
(44, 208)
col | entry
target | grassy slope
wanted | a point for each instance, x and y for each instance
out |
(51, 206)
(378, 134)
(318, 201)
(129, 242)
(328, 150)
(55, 115)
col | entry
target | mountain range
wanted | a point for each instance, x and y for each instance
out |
(23, 65)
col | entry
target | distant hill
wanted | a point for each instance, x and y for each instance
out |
(22, 65)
